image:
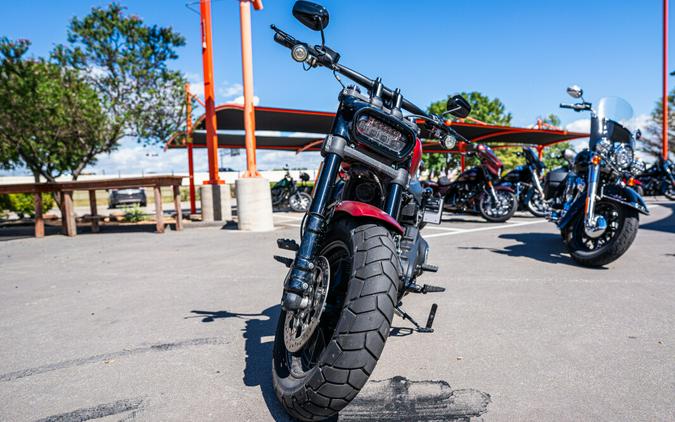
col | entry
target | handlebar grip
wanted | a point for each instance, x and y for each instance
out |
(285, 41)
(564, 105)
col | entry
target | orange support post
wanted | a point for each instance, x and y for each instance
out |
(540, 151)
(664, 135)
(209, 93)
(462, 158)
(188, 140)
(247, 76)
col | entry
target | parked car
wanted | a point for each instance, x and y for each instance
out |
(127, 197)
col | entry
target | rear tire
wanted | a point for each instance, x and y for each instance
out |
(363, 290)
(488, 212)
(628, 221)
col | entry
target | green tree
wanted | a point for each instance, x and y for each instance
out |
(49, 117)
(652, 141)
(126, 61)
(484, 109)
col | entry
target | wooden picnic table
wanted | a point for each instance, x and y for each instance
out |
(65, 191)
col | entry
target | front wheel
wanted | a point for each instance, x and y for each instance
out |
(317, 375)
(608, 246)
(300, 201)
(537, 205)
(500, 210)
(670, 192)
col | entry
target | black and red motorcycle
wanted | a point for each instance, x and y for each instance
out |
(476, 191)
(360, 250)
(526, 182)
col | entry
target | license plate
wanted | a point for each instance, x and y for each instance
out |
(433, 210)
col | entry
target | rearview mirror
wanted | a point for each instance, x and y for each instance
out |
(312, 15)
(575, 91)
(458, 106)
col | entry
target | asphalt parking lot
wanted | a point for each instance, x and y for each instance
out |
(139, 326)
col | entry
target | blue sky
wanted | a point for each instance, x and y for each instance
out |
(523, 52)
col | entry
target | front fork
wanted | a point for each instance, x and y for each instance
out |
(492, 192)
(537, 183)
(301, 273)
(594, 226)
(303, 266)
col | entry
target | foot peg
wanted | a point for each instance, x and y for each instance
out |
(427, 288)
(430, 268)
(286, 261)
(430, 319)
(288, 244)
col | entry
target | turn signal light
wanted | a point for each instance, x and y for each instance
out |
(631, 181)
(596, 160)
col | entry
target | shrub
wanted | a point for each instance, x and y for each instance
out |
(134, 215)
(23, 203)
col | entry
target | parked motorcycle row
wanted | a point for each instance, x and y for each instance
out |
(361, 251)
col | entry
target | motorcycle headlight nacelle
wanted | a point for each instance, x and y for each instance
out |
(383, 133)
(621, 156)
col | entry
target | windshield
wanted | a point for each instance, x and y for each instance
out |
(614, 108)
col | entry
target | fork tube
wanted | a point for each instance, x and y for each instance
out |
(393, 204)
(589, 210)
(303, 265)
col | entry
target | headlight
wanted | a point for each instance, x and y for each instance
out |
(603, 146)
(621, 156)
(383, 133)
(449, 141)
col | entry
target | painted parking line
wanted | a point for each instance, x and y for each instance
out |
(481, 229)
(428, 227)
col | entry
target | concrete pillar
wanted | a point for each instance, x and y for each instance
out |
(254, 204)
(216, 203)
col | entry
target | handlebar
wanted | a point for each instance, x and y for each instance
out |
(321, 58)
(577, 107)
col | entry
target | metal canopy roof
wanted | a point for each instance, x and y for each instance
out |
(304, 131)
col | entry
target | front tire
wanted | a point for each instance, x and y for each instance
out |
(321, 379)
(670, 192)
(622, 227)
(506, 206)
(537, 205)
(300, 201)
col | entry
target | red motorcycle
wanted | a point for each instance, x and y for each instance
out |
(474, 190)
(360, 249)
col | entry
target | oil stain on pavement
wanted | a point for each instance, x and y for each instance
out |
(400, 399)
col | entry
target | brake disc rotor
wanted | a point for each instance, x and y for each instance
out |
(301, 325)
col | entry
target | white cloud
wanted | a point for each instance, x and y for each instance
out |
(230, 90)
(133, 158)
(240, 100)
(581, 125)
(638, 122)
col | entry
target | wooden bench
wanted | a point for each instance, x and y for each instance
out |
(65, 191)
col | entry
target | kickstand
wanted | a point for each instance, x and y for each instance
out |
(403, 314)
